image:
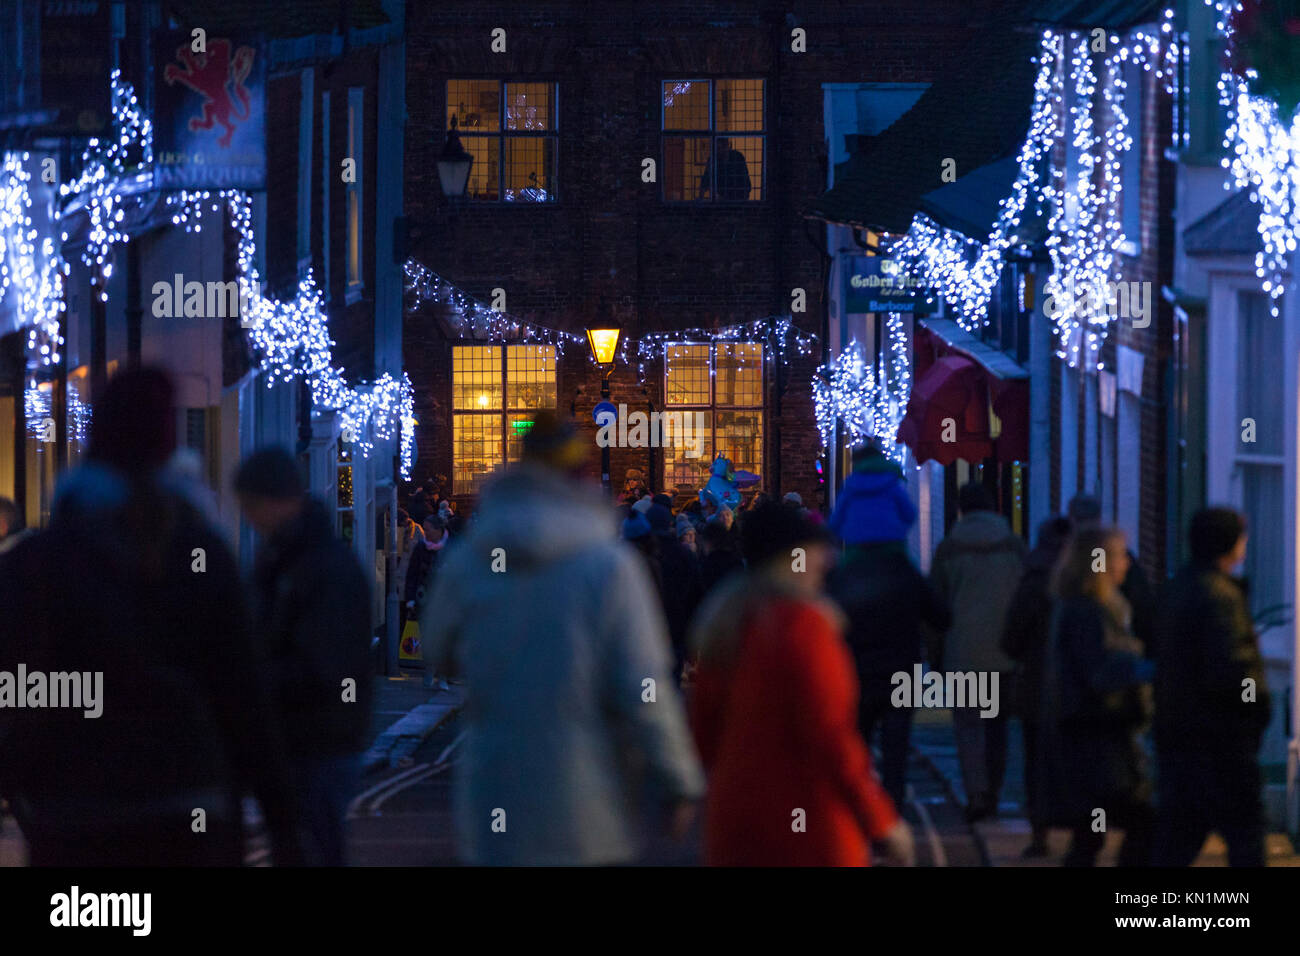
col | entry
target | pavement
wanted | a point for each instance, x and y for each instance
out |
(408, 713)
(1002, 840)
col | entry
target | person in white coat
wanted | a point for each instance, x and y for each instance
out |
(571, 713)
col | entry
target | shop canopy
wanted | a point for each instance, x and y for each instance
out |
(969, 400)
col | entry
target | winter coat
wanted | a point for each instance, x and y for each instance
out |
(1207, 648)
(975, 572)
(555, 644)
(312, 613)
(130, 581)
(424, 560)
(1025, 634)
(873, 505)
(886, 599)
(775, 714)
(1094, 706)
(680, 590)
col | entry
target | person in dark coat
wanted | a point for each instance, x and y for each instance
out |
(313, 615)
(886, 600)
(418, 505)
(133, 590)
(1212, 703)
(680, 590)
(1085, 510)
(719, 556)
(1024, 640)
(874, 504)
(1096, 703)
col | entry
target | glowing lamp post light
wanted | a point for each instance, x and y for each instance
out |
(604, 346)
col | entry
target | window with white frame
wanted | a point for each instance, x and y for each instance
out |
(723, 383)
(1259, 465)
(353, 196)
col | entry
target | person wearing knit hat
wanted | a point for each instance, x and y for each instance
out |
(644, 505)
(635, 526)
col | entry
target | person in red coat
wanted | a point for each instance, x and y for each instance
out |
(774, 713)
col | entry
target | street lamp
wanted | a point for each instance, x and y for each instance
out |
(604, 345)
(453, 165)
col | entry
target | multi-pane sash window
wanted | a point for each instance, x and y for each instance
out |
(510, 129)
(495, 392)
(713, 140)
(723, 381)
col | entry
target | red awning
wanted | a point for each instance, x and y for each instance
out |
(951, 398)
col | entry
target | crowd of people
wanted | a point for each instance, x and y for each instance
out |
(625, 665)
(773, 640)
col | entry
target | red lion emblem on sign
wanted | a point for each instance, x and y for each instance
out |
(219, 79)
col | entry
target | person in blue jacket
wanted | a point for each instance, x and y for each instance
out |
(873, 505)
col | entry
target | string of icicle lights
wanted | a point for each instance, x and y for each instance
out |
(1264, 149)
(777, 334)
(291, 336)
(1085, 224)
(868, 401)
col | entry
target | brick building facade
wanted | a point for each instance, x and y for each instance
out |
(657, 265)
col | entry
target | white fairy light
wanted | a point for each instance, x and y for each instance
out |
(866, 401)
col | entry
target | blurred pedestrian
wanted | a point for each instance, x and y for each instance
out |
(1084, 511)
(680, 590)
(418, 505)
(312, 613)
(558, 633)
(132, 593)
(1024, 640)
(1212, 702)
(775, 713)
(887, 601)
(718, 555)
(874, 504)
(975, 571)
(1096, 702)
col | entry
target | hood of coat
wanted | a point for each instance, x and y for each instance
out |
(721, 622)
(877, 465)
(982, 531)
(871, 482)
(539, 517)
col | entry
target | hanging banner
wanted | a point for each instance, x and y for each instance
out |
(880, 284)
(209, 125)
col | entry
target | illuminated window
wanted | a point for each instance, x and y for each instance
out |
(713, 140)
(509, 128)
(356, 146)
(495, 392)
(723, 382)
(344, 504)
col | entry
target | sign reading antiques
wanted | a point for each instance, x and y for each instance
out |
(879, 284)
(209, 127)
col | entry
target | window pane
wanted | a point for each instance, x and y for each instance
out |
(686, 171)
(1259, 370)
(517, 427)
(530, 106)
(686, 369)
(476, 104)
(530, 376)
(476, 377)
(476, 451)
(740, 168)
(530, 169)
(1266, 547)
(739, 378)
(484, 173)
(354, 237)
(685, 472)
(740, 438)
(344, 486)
(739, 105)
(686, 104)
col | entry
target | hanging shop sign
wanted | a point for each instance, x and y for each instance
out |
(76, 47)
(881, 284)
(209, 126)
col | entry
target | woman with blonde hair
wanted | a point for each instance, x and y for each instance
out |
(1096, 703)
